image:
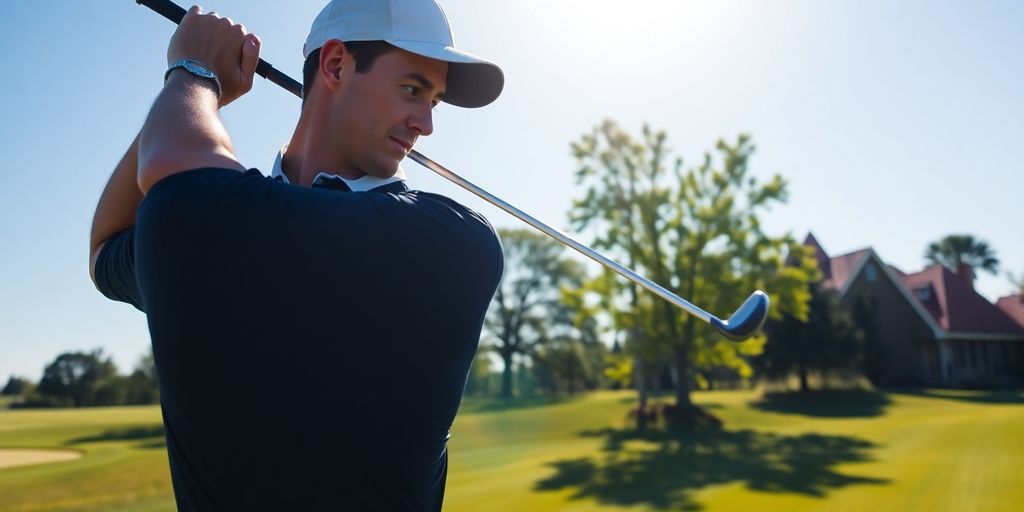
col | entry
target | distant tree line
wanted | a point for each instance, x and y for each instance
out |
(85, 379)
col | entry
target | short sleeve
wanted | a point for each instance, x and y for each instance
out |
(115, 269)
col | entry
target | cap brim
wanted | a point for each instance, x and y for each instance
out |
(472, 81)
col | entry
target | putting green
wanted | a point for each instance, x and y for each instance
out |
(10, 458)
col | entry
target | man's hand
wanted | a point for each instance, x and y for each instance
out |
(221, 45)
(183, 130)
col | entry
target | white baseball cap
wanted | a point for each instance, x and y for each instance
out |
(417, 26)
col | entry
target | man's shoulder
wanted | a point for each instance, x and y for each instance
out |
(459, 211)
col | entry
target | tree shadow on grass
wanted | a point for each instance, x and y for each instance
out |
(996, 397)
(151, 436)
(663, 468)
(846, 403)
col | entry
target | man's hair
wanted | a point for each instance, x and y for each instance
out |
(364, 52)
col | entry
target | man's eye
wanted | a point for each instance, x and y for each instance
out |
(412, 89)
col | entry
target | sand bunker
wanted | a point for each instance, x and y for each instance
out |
(10, 457)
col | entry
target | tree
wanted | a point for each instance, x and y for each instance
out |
(478, 382)
(519, 319)
(697, 233)
(72, 377)
(568, 364)
(142, 386)
(573, 359)
(15, 386)
(956, 250)
(828, 340)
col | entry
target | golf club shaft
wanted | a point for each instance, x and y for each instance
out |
(175, 13)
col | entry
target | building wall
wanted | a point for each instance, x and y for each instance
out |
(981, 362)
(911, 353)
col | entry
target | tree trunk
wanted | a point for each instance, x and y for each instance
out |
(682, 361)
(506, 376)
(803, 377)
(641, 391)
(572, 379)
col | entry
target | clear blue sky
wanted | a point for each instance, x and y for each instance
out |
(895, 123)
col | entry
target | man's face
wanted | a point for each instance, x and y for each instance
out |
(377, 116)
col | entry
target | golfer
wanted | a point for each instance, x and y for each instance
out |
(312, 329)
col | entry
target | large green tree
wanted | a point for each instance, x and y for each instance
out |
(73, 377)
(955, 250)
(695, 231)
(574, 358)
(15, 386)
(528, 298)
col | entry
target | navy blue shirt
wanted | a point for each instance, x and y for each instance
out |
(312, 345)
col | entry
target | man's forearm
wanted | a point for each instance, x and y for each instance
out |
(116, 209)
(183, 131)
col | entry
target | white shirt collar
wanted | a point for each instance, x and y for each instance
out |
(362, 184)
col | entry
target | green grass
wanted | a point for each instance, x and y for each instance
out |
(913, 450)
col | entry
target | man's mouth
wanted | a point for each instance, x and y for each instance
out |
(404, 144)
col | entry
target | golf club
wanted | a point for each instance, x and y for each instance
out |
(739, 326)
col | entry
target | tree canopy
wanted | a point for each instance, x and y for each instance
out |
(695, 231)
(953, 251)
(528, 302)
(829, 340)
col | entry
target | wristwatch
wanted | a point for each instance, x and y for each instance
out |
(196, 69)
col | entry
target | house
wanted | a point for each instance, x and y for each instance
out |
(1013, 306)
(930, 327)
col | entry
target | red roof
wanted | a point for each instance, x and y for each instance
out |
(835, 270)
(950, 300)
(1013, 306)
(843, 267)
(955, 305)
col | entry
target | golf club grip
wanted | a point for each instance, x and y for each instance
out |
(175, 13)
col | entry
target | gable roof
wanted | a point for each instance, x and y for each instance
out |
(835, 270)
(1013, 306)
(953, 309)
(846, 266)
(956, 306)
(841, 271)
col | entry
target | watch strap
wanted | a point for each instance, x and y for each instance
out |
(196, 68)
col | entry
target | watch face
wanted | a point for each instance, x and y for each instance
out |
(198, 69)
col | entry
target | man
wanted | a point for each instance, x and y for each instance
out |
(312, 332)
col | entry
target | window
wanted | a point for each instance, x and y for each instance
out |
(923, 294)
(871, 272)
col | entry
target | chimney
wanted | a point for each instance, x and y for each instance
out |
(966, 274)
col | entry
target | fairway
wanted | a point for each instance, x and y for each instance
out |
(914, 450)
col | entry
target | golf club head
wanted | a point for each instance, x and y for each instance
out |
(747, 319)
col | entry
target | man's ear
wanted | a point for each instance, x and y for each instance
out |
(333, 56)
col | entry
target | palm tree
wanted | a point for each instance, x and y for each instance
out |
(956, 250)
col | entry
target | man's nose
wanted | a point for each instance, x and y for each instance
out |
(422, 120)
